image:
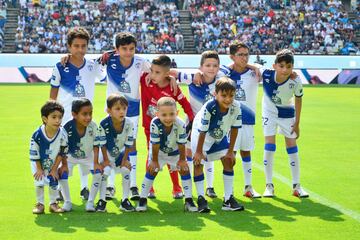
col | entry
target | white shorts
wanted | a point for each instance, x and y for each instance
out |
(44, 181)
(85, 164)
(164, 159)
(273, 125)
(112, 165)
(245, 138)
(135, 121)
(212, 152)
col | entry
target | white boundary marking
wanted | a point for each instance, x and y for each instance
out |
(351, 213)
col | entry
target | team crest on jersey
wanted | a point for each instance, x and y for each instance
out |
(115, 151)
(217, 133)
(124, 87)
(208, 97)
(275, 99)
(79, 90)
(90, 67)
(166, 149)
(137, 65)
(291, 85)
(47, 164)
(151, 111)
(78, 153)
(240, 95)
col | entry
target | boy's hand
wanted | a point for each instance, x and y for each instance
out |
(63, 168)
(154, 167)
(125, 163)
(103, 60)
(182, 166)
(230, 157)
(97, 166)
(296, 129)
(293, 75)
(147, 80)
(54, 174)
(198, 157)
(39, 174)
(105, 164)
(198, 78)
(173, 85)
(64, 60)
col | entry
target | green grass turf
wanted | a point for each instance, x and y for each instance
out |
(329, 151)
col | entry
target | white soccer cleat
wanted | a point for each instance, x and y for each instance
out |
(142, 206)
(67, 207)
(90, 207)
(269, 190)
(250, 192)
(299, 192)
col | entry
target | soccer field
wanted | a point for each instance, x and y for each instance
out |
(329, 148)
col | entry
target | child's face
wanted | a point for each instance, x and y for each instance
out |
(117, 112)
(210, 68)
(158, 74)
(84, 116)
(78, 47)
(283, 69)
(241, 57)
(53, 120)
(167, 115)
(225, 99)
(126, 52)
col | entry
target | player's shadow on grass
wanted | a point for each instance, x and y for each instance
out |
(307, 207)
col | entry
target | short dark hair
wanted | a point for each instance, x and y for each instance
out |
(51, 106)
(80, 103)
(209, 54)
(162, 60)
(236, 45)
(124, 38)
(78, 32)
(114, 98)
(225, 84)
(284, 55)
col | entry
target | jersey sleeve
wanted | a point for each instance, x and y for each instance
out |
(181, 137)
(185, 78)
(185, 104)
(34, 150)
(55, 78)
(100, 71)
(154, 133)
(130, 135)
(101, 136)
(146, 66)
(205, 121)
(64, 147)
(96, 135)
(237, 123)
(298, 88)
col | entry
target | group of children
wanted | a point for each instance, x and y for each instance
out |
(220, 121)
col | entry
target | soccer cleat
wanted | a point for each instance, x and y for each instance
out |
(67, 207)
(126, 206)
(202, 205)
(190, 205)
(142, 206)
(178, 195)
(38, 209)
(151, 195)
(232, 205)
(210, 192)
(250, 192)
(84, 194)
(90, 206)
(134, 194)
(299, 192)
(269, 190)
(60, 197)
(54, 208)
(110, 193)
(101, 206)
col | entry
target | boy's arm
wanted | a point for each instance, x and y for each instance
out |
(55, 83)
(35, 157)
(182, 100)
(199, 156)
(298, 106)
(105, 156)
(230, 153)
(256, 69)
(125, 162)
(39, 171)
(154, 164)
(182, 164)
(97, 166)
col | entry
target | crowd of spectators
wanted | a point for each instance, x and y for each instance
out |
(3, 6)
(307, 27)
(42, 25)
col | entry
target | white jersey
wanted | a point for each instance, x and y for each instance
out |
(46, 150)
(75, 83)
(81, 147)
(198, 94)
(246, 92)
(126, 81)
(216, 124)
(168, 141)
(114, 141)
(278, 98)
